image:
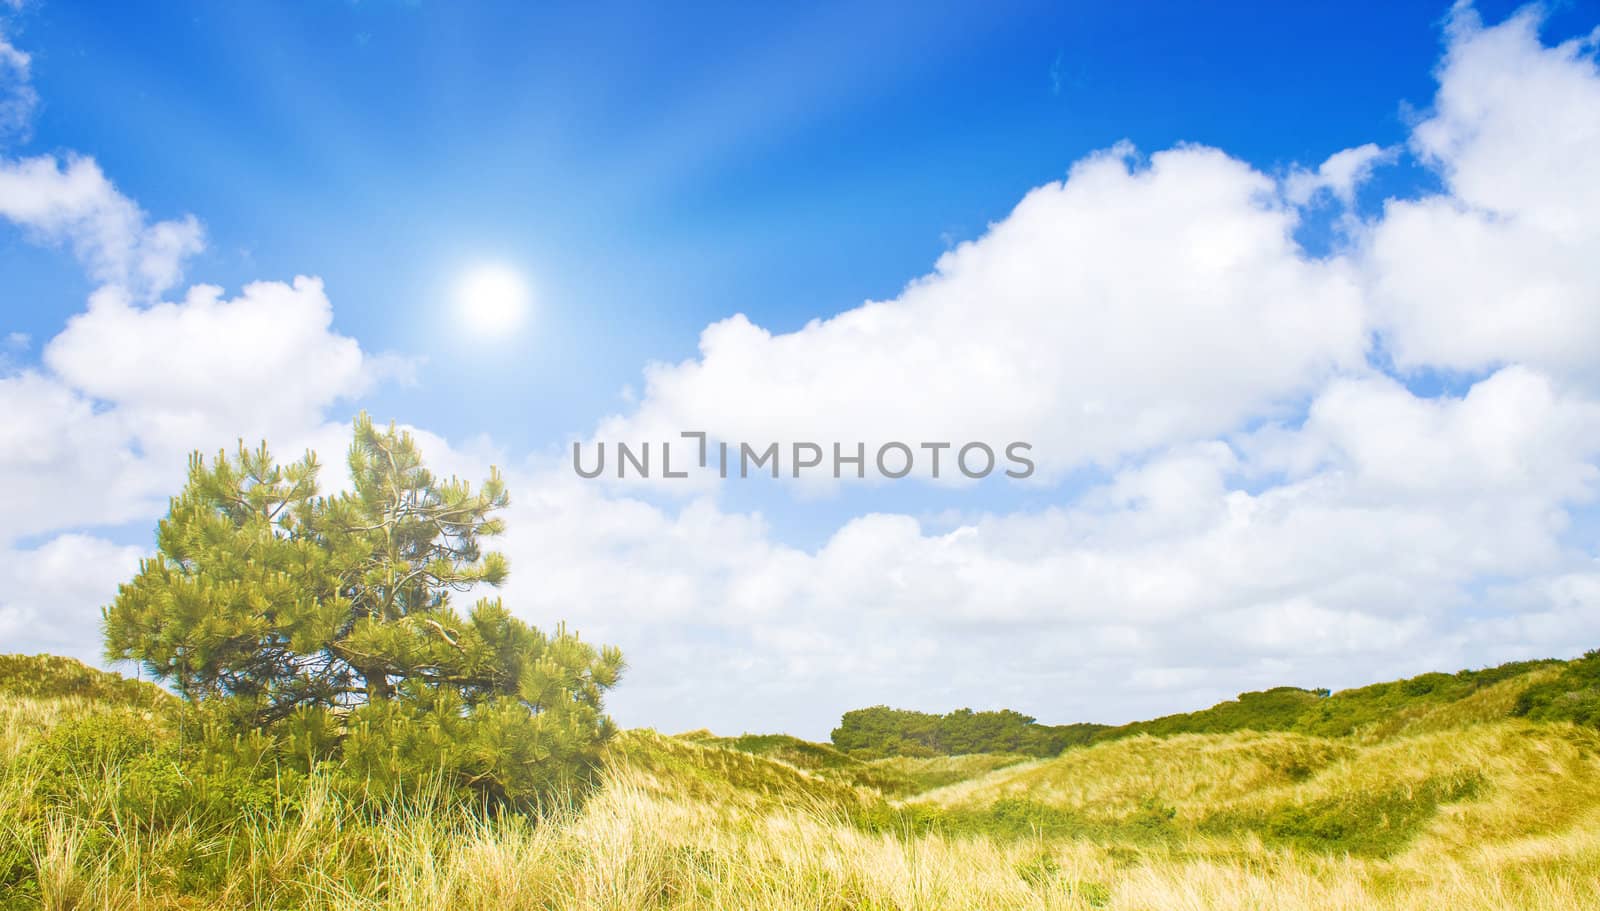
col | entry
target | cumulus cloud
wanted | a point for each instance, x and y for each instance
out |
(98, 433)
(1501, 267)
(1366, 557)
(101, 437)
(1134, 305)
(265, 362)
(1338, 176)
(70, 201)
(63, 463)
(50, 595)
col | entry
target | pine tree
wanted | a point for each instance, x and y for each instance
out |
(328, 621)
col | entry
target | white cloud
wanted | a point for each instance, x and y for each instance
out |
(1132, 306)
(50, 596)
(1512, 432)
(264, 363)
(70, 201)
(102, 437)
(18, 99)
(1500, 268)
(98, 433)
(1338, 176)
(1365, 558)
(66, 464)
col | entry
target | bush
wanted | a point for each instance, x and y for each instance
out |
(879, 732)
(1573, 696)
(1376, 823)
(1269, 710)
(132, 765)
(498, 755)
(1317, 712)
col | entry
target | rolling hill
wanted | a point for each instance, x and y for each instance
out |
(1472, 790)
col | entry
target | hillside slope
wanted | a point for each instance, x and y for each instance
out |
(1443, 803)
(1501, 781)
(1369, 712)
(1546, 689)
(51, 676)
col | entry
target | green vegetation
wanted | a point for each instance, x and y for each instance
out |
(814, 757)
(1370, 707)
(1378, 709)
(1375, 711)
(49, 676)
(113, 795)
(898, 776)
(1573, 695)
(1376, 823)
(309, 629)
(1277, 709)
(820, 760)
(881, 731)
(927, 773)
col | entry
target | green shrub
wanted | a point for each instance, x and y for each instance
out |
(1270, 710)
(1039, 870)
(1095, 895)
(1324, 714)
(1573, 696)
(880, 731)
(127, 765)
(321, 628)
(1376, 823)
(1347, 711)
(1022, 819)
(499, 755)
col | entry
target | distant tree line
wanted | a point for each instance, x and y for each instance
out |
(1570, 692)
(1276, 709)
(882, 731)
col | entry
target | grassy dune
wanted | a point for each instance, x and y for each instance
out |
(1453, 806)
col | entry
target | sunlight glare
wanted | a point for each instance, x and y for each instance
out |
(492, 299)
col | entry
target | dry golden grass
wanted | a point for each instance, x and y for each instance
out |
(679, 826)
(1488, 704)
(1186, 771)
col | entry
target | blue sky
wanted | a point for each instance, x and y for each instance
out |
(656, 171)
(1334, 408)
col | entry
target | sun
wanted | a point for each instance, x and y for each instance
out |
(493, 299)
